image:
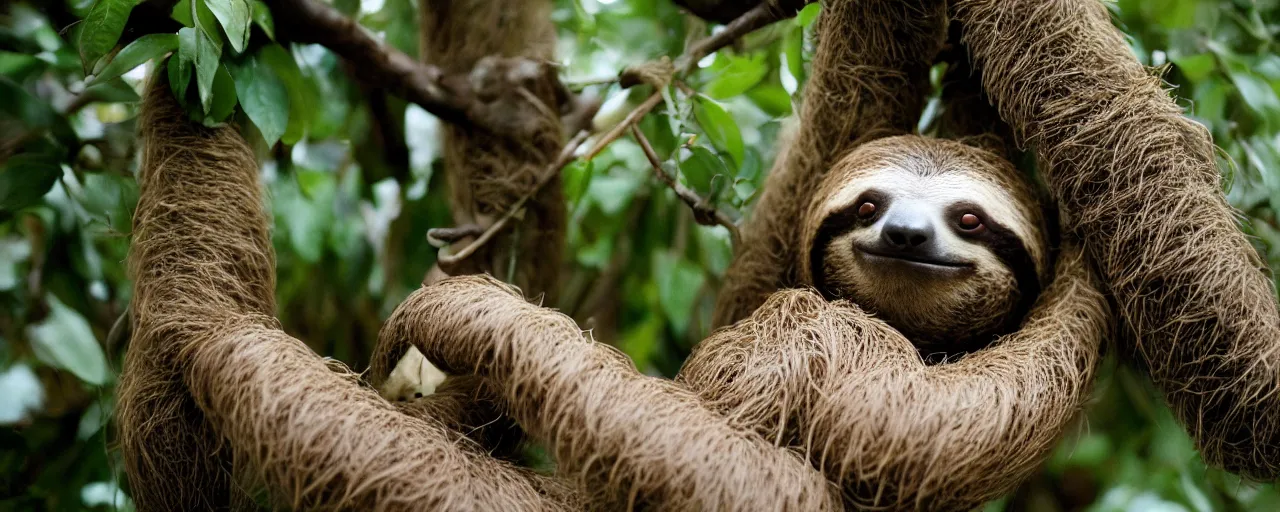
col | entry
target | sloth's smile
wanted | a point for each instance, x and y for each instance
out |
(918, 261)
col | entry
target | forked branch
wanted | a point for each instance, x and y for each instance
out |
(703, 212)
(759, 16)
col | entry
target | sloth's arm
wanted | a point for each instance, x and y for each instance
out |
(870, 74)
(214, 395)
(893, 432)
(630, 438)
(1137, 179)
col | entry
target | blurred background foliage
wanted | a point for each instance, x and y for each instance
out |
(354, 183)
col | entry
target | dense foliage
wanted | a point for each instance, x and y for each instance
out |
(354, 183)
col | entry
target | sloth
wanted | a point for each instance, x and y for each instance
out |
(945, 241)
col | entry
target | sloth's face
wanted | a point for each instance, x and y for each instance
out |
(937, 250)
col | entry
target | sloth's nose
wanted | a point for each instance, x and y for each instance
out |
(906, 231)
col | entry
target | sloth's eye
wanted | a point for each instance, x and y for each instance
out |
(866, 209)
(970, 222)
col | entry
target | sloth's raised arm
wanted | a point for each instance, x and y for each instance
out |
(215, 399)
(630, 439)
(1137, 179)
(895, 433)
(870, 76)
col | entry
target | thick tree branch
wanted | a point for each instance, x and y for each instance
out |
(309, 21)
(706, 214)
(474, 99)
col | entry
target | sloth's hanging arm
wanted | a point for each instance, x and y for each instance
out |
(853, 394)
(631, 439)
(1137, 180)
(869, 79)
(215, 399)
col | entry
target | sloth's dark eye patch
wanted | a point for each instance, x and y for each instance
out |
(866, 209)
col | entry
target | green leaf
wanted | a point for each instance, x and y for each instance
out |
(576, 177)
(204, 49)
(719, 127)
(25, 179)
(1195, 67)
(33, 113)
(808, 14)
(65, 340)
(262, 16)
(679, 282)
(20, 66)
(743, 190)
(224, 97)
(112, 91)
(179, 73)
(772, 99)
(235, 16)
(138, 53)
(347, 7)
(700, 168)
(739, 76)
(1257, 93)
(182, 13)
(263, 96)
(101, 29)
(285, 67)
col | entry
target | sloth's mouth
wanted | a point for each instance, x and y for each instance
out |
(917, 260)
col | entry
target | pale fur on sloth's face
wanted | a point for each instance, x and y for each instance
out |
(937, 307)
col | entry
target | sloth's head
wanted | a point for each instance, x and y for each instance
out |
(944, 241)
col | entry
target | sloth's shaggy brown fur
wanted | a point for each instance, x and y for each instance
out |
(802, 405)
(870, 75)
(853, 394)
(214, 398)
(629, 440)
(489, 173)
(1137, 179)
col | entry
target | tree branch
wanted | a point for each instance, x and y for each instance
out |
(705, 214)
(309, 21)
(763, 14)
(767, 12)
(472, 99)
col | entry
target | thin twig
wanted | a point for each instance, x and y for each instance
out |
(587, 82)
(759, 16)
(704, 213)
(753, 19)
(444, 237)
(552, 170)
(631, 119)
